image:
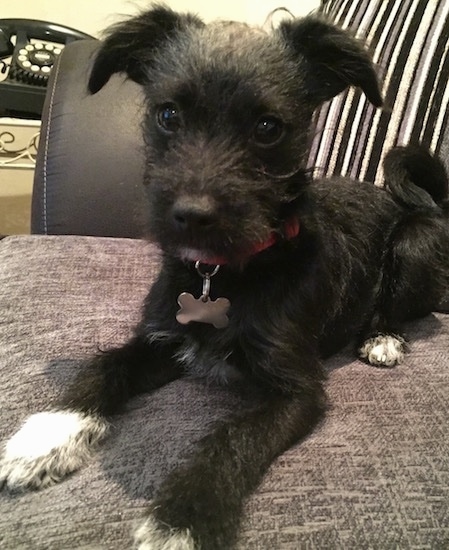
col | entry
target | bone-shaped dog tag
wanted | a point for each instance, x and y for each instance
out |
(203, 310)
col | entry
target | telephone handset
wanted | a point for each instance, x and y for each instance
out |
(34, 47)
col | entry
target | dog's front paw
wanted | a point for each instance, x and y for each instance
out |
(154, 536)
(383, 350)
(49, 446)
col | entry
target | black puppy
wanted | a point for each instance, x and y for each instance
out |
(264, 271)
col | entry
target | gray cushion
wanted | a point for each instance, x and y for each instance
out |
(374, 475)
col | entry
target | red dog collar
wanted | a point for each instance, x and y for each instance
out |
(291, 230)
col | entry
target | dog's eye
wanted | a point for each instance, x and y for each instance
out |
(268, 130)
(168, 117)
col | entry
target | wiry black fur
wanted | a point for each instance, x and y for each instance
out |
(365, 259)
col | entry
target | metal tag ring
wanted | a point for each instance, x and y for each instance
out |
(207, 274)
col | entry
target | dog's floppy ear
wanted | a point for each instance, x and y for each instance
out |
(131, 43)
(334, 60)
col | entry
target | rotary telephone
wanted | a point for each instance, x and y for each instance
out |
(28, 50)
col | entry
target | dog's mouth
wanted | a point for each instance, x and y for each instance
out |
(204, 256)
(211, 257)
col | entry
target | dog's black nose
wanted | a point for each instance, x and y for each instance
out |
(197, 213)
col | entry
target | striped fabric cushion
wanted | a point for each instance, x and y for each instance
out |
(409, 40)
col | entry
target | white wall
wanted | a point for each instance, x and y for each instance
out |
(92, 16)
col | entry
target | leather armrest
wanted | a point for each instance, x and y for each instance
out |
(88, 178)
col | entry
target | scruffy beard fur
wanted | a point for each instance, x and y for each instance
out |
(306, 265)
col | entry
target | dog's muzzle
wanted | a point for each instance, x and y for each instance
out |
(195, 214)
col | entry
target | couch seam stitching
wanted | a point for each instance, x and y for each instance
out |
(47, 139)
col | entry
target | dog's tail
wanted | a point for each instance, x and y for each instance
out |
(416, 179)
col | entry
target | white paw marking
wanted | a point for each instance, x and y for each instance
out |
(49, 446)
(150, 536)
(384, 350)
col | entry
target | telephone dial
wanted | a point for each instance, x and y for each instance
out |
(28, 50)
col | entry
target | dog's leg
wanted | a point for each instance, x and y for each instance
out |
(52, 444)
(200, 504)
(414, 276)
(383, 349)
(416, 262)
(381, 342)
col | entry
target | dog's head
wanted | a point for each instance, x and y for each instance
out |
(228, 115)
